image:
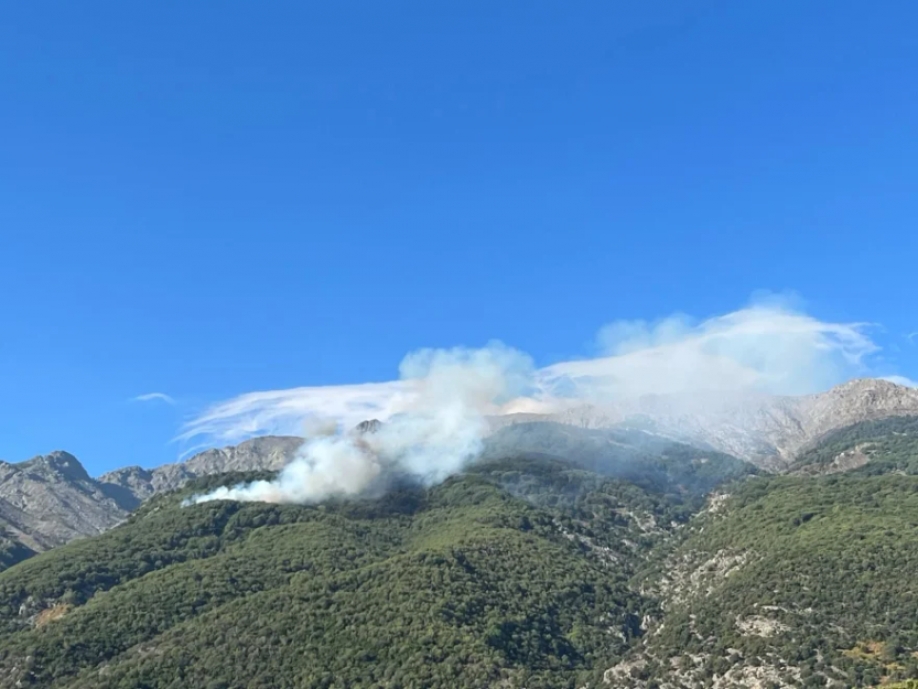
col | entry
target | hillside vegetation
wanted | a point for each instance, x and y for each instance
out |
(808, 582)
(869, 448)
(601, 561)
(460, 585)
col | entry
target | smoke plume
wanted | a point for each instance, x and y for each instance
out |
(438, 420)
(436, 415)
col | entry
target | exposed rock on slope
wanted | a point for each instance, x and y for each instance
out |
(369, 426)
(266, 453)
(767, 430)
(50, 500)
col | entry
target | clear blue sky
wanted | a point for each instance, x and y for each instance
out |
(208, 198)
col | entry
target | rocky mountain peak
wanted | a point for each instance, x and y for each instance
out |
(872, 391)
(58, 463)
(51, 499)
(368, 426)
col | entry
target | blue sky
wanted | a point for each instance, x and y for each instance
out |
(207, 199)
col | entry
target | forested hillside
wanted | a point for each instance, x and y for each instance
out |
(613, 567)
(808, 582)
(869, 447)
(460, 585)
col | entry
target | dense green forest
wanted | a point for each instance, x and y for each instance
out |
(816, 576)
(608, 567)
(463, 584)
(888, 445)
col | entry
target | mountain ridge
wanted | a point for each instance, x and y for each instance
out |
(767, 430)
(523, 572)
(49, 500)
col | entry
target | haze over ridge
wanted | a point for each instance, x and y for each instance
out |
(438, 413)
(766, 348)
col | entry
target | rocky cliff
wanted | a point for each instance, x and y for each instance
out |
(50, 500)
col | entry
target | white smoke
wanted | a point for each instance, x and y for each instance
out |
(435, 415)
(437, 424)
(764, 348)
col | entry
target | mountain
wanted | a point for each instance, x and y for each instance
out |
(50, 500)
(526, 571)
(268, 453)
(769, 431)
(459, 585)
(786, 581)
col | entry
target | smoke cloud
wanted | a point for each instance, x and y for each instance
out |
(437, 421)
(767, 349)
(436, 414)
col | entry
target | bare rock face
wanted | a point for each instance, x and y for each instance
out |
(134, 484)
(769, 431)
(268, 453)
(369, 426)
(50, 500)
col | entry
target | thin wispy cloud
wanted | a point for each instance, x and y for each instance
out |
(154, 397)
(768, 348)
(295, 411)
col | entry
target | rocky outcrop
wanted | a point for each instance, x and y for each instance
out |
(369, 426)
(268, 453)
(769, 431)
(50, 500)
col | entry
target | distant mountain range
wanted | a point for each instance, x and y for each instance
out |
(579, 551)
(50, 500)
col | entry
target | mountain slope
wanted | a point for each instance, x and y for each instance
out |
(870, 447)
(655, 463)
(49, 500)
(527, 571)
(458, 585)
(797, 581)
(770, 431)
